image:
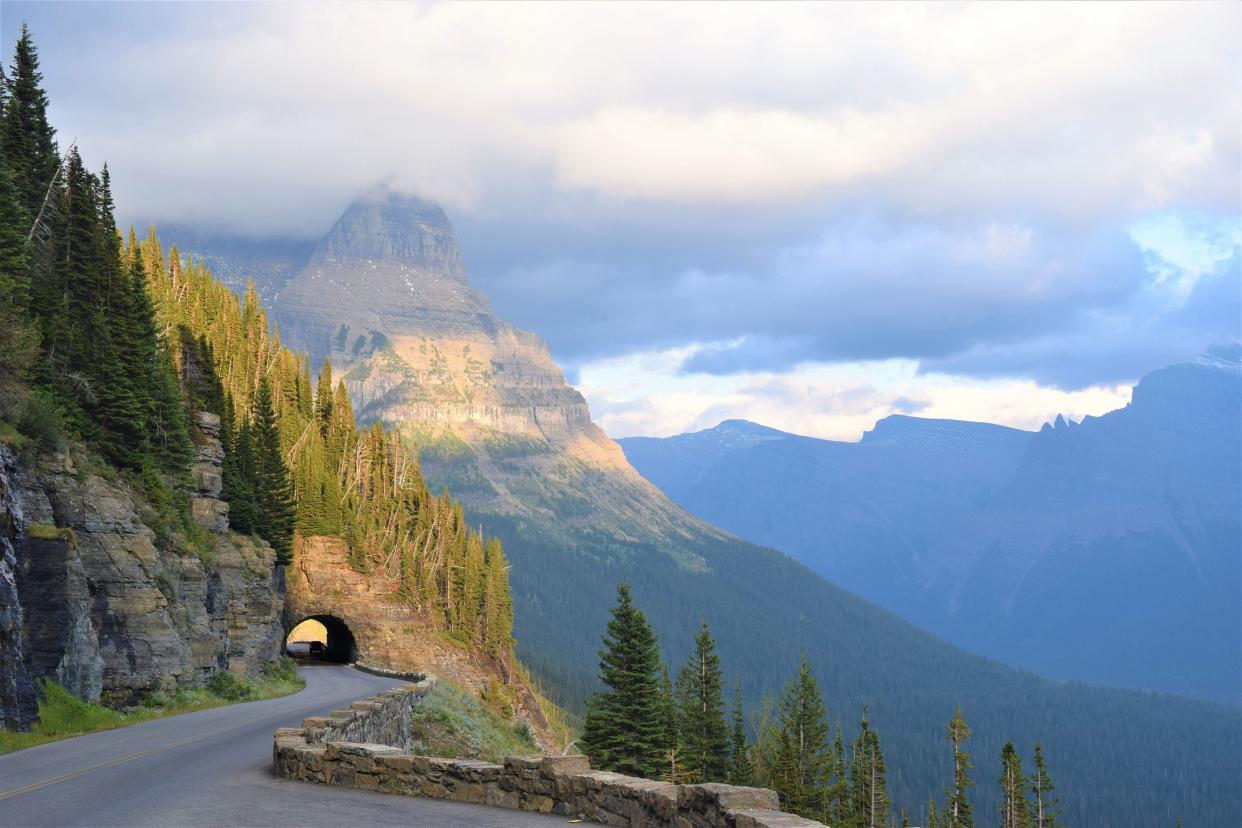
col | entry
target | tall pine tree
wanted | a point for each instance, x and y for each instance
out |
(741, 769)
(957, 810)
(1013, 790)
(273, 489)
(704, 735)
(29, 141)
(624, 729)
(1043, 806)
(803, 756)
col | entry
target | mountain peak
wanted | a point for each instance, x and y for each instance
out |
(393, 228)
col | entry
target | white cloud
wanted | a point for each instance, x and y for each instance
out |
(270, 116)
(644, 394)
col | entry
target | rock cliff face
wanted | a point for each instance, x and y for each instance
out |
(113, 613)
(17, 696)
(387, 633)
(386, 296)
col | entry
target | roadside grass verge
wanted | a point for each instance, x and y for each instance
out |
(450, 722)
(62, 714)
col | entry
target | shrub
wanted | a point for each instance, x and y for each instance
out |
(283, 669)
(227, 686)
(451, 722)
(43, 422)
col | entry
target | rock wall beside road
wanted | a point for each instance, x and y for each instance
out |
(111, 611)
(565, 785)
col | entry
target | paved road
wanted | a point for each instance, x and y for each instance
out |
(213, 768)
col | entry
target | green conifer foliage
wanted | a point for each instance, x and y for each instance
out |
(741, 769)
(273, 488)
(1043, 805)
(28, 139)
(1013, 790)
(704, 735)
(803, 758)
(624, 728)
(868, 779)
(957, 812)
(14, 249)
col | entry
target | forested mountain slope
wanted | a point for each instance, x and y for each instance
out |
(1106, 551)
(386, 297)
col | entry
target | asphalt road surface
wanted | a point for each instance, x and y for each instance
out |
(214, 768)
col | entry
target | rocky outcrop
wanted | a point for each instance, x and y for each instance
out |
(389, 635)
(18, 707)
(113, 612)
(206, 507)
(360, 748)
(386, 297)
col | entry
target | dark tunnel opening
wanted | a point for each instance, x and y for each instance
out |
(322, 638)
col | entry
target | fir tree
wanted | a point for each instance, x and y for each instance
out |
(704, 735)
(1043, 806)
(741, 770)
(273, 489)
(1013, 790)
(868, 779)
(670, 723)
(624, 729)
(28, 139)
(14, 249)
(238, 474)
(933, 815)
(803, 757)
(957, 809)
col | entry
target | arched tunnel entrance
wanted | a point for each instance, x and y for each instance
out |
(322, 638)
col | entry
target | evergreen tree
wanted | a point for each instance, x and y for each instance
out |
(704, 735)
(28, 139)
(868, 779)
(624, 729)
(803, 757)
(741, 770)
(323, 398)
(670, 725)
(238, 476)
(273, 489)
(840, 805)
(1013, 790)
(14, 249)
(933, 816)
(957, 809)
(1043, 806)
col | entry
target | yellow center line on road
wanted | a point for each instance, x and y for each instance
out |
(34, 786)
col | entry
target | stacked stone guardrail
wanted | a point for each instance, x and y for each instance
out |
(367, 747)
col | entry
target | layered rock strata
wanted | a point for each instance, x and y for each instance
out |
(386, 296)
(18, 707)
(111, 611)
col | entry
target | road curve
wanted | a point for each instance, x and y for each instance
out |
(214, 768)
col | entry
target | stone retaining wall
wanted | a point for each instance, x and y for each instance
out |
(366, 747)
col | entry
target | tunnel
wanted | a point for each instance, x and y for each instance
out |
(326, 638)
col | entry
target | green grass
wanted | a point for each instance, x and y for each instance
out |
(45, 531)
(62, 715)
(450, 722)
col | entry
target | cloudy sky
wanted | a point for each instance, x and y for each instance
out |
(812, 216)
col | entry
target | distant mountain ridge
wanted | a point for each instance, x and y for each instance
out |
(1107, 550)
(498, 425)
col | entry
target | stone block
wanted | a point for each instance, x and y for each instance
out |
(553, 766)
(537, 802)
(519, 764)
(768, 818)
